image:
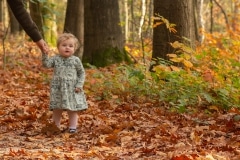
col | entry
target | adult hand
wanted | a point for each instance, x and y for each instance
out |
(42, 46)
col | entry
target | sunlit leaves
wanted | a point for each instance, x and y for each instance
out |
(159, 20)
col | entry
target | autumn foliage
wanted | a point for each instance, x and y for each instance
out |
(174, 113)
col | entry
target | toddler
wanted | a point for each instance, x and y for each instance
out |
(66, 91)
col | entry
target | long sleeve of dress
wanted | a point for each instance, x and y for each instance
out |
(24, 19)
(80, 73)
(47, 62)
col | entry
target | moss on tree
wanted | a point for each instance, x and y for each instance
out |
(107, 56)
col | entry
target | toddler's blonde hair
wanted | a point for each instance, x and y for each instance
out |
(66, 36)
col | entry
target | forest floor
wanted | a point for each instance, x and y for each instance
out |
(107, 129)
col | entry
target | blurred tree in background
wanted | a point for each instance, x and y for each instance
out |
(135, 19)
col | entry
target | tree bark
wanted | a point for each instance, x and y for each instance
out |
(74, 22)
(126, 21)
(14, 25)
(236, 17)
(103, 38)
(179, 12)
(36, 14)
(200, 20)
(142, 19)
(211, 17)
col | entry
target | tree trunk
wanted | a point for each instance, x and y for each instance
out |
(1, 11)
(126, 20)
(150, 13)
(103, 39)
(211, 17)
(132, 26)
(179, 12)
(223, 12)
(142, 19)
(74, 22)
(200, 20)
(49, 21)
(14, 25)
(36, 14)
(236, 17)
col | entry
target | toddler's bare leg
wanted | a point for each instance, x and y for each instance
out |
(73, 119)
(57, 116)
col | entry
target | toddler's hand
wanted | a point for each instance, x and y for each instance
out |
(77, 90)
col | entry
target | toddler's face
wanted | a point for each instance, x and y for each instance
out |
(66, 48)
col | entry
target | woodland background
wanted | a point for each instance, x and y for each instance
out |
(162, 81)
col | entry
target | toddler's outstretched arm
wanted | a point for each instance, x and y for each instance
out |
(46, 61)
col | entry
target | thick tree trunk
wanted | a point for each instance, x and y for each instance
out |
(179, 12)
(103, 39)
(74, 22)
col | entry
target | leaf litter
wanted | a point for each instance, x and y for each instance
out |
(107, 130)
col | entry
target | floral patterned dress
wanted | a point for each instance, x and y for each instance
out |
(68, 74)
